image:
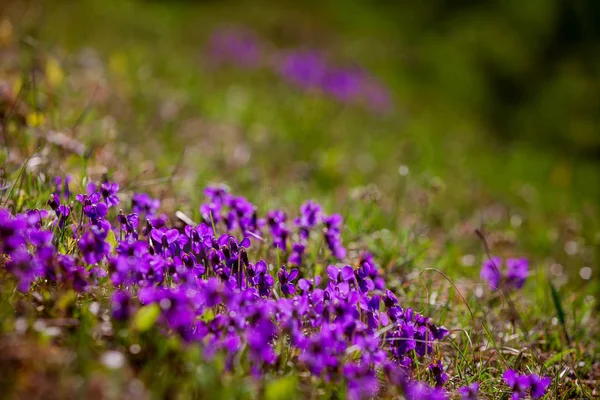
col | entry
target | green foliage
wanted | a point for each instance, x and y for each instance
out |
(282, 388)
(146, 317)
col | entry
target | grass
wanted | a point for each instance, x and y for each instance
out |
(279, 147)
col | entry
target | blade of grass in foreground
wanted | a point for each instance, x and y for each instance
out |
(559, 311)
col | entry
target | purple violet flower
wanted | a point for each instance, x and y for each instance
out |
(437, 370)
(344, 84)
(276, 220)
(538, 385)
(109, 192)
(511, 277)
(333, 236)
(469, 392)
(304, 69)
(296, 254)
(142, 203)
(285, 281)
(121, 305)
(310, 216)
(517, 272)
(518, 383)
(490, 271)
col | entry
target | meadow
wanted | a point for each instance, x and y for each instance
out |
(220, 200)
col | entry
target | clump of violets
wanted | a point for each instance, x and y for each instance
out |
(305, 69)
(520, 384)
(31, 254)
(344, 325)
(311, 71)
(510, 274)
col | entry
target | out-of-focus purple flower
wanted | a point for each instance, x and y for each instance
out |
(218, 194)
(121, 305)
(91, 187)
(62, 186)
(92, 244)
(362, 381)
(305, 69)
(276, 220)
(238, 46)
(35, 217)
(259, 339)
(518, 383)
(417, 390)
(321, 350)
(310, 216)
(469, 392)
(296, 254)
(179, 314)
(538, 385)
(22, 265)
(344, 84)
(40, 238)
(142, 203)
(512, 277)
(517, 271)
(332, 233)
(490, 271)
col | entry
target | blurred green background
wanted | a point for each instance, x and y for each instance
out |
(523, 71)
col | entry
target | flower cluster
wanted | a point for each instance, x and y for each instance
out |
(511, 274)
(519, 384)
(30, 252)
(311, 71)
(345, 327)
(308, 70)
